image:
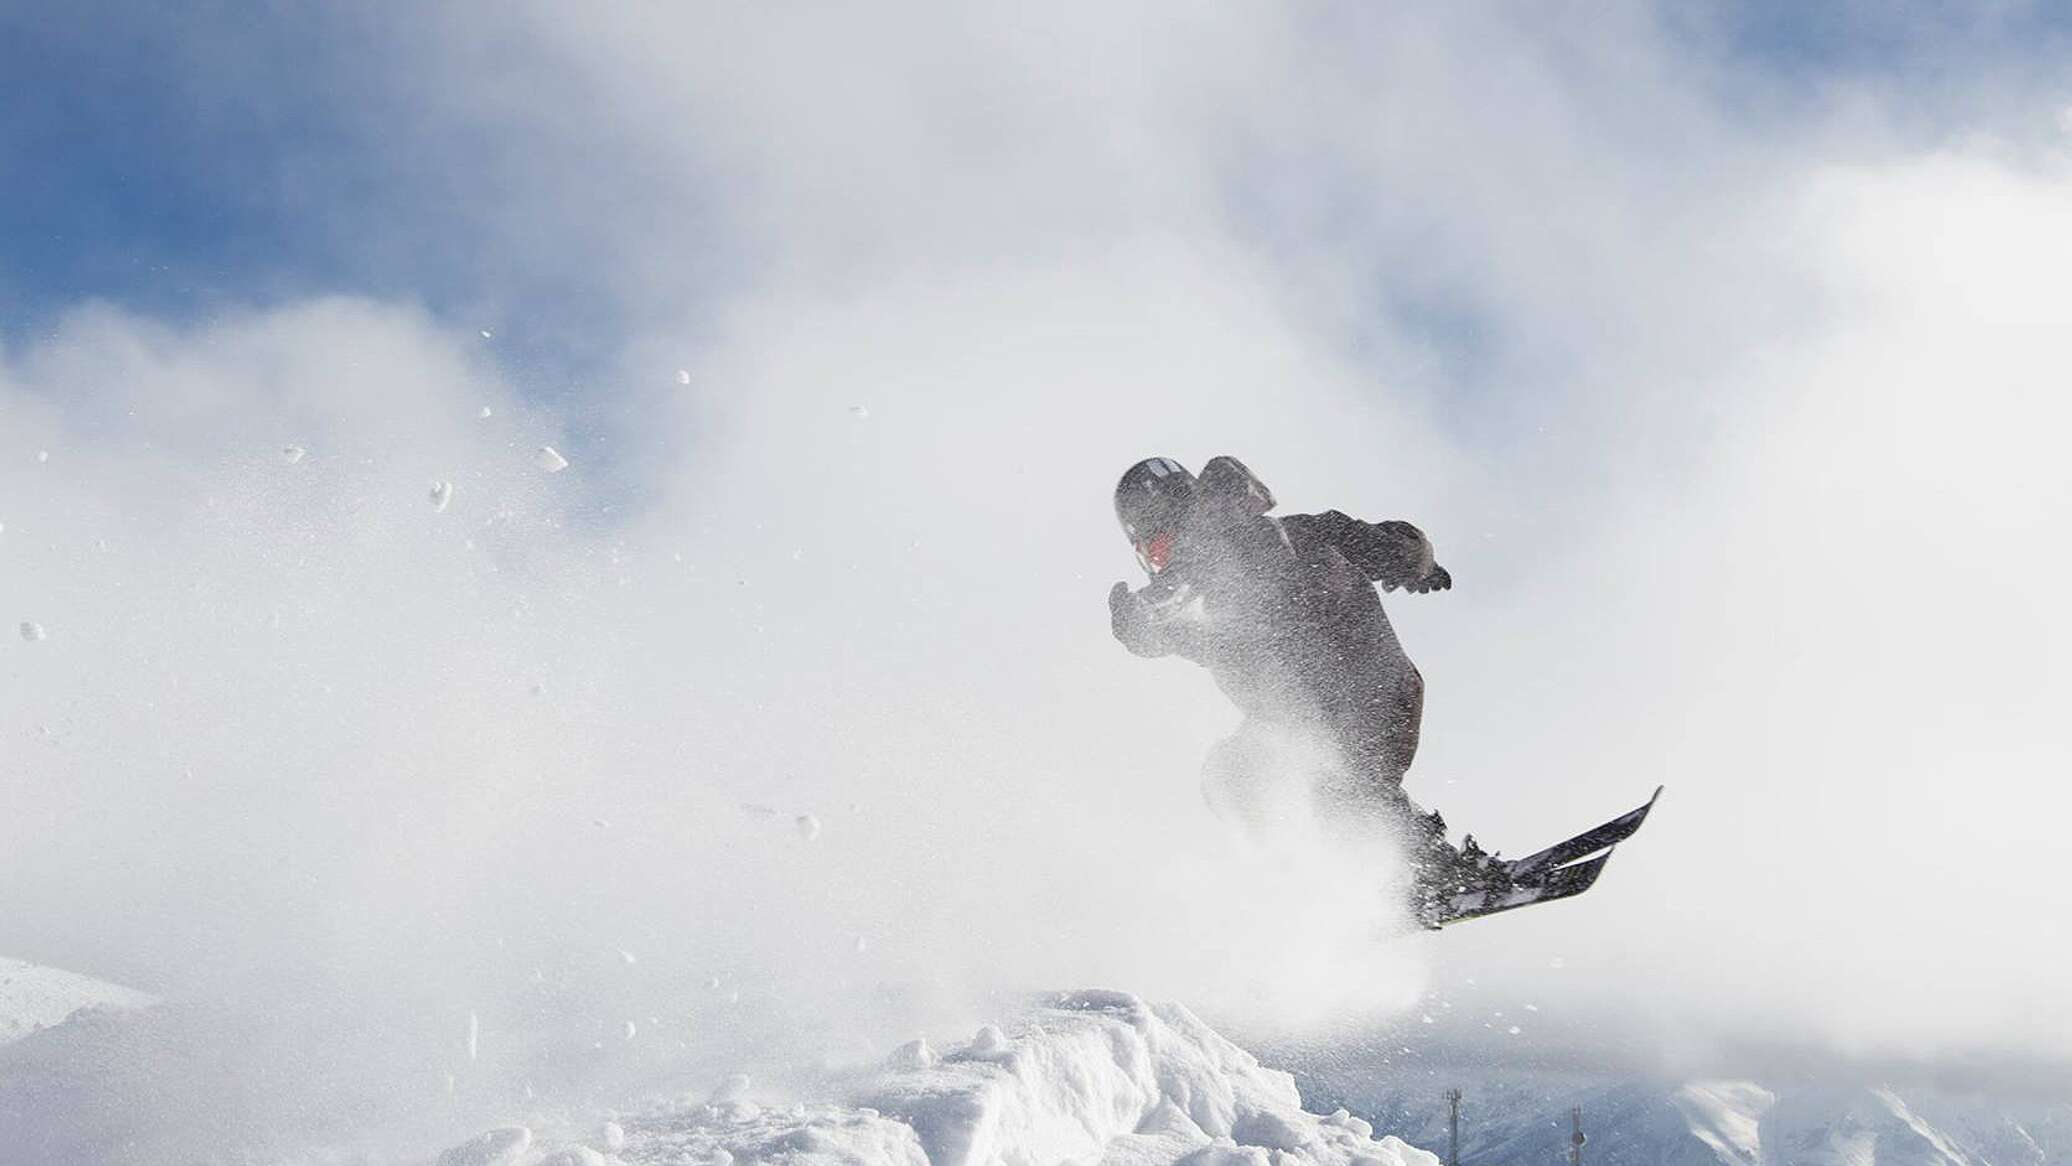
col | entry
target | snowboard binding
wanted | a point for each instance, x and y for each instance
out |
(1465, 882)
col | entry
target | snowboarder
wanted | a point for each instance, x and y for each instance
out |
(1283, 612)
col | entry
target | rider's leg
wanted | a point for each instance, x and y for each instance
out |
(1374, 721)
(1238, 778)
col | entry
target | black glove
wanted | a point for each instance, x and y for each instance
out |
(1129, 619)
(1123, 610)
(1436, 579)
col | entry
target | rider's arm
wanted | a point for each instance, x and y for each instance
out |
(1393, 554)
(1129, 618)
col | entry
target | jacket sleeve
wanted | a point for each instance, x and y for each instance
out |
(1151, 622)
(1393, 554)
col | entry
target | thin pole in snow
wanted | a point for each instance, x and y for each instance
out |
(1453, 1127)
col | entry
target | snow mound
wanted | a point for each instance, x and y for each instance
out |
(33, 997)
(1091, 1077)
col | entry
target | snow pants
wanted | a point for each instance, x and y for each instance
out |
(1362, 726)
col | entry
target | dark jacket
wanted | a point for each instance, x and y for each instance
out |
(1283, 613)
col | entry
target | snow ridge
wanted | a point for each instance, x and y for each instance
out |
(1645, 1121)
(1096, 1078)
(33, 997)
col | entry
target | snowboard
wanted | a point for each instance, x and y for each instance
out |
(1544, 876)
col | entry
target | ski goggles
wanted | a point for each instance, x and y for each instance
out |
(1155, 552)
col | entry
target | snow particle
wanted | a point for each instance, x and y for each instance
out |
(1427, 1018)
(42, 455)
(486, 413)
(713, 983)
(628, 957)
(474, 1035)
(862, 945)
(1515, 1030)
(487, 334)
(441, 494)
(613, 1135)
(809, 826)
(31, 630)
(633, 1030)
(683, 376)
(293, 453)
(550, 459)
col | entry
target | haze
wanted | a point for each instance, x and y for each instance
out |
(1727, 383)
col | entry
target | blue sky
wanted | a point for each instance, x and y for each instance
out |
(178, 159)
(185, 159)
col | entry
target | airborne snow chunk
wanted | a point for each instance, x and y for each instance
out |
(485, 413)
(31, 630)
(293, 453)
(860, 412)
(441, 493)
(683, 376)
(809, 826)
(550, 459)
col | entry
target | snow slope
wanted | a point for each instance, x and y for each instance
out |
(1524, 1117)
(1092, 1077)
(33, 998)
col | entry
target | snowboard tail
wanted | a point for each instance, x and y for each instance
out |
(1490, 885)
(1588, 842)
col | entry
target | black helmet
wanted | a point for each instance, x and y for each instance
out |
(1151, 501)
(1152, 496)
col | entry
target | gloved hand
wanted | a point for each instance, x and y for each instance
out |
(1128, 618)
(1436, 579)
(1120, 601)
